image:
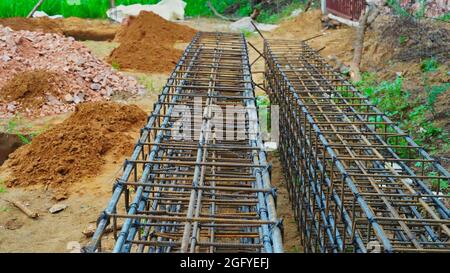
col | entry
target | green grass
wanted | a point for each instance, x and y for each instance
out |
(86, 8)
(412, 115)
(98, 8)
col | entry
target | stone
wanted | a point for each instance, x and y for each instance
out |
(68, 98)
(96, 86)
(5, 58)
(109, 91)
(57, 208)
(77, 99)
(52, 100)
(11, 107)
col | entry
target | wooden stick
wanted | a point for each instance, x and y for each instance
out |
(24, 209)
(35, 8)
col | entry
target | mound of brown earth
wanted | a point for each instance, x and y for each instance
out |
(31, 90)
(147, 43)
(78, 28)
(81, 76)
(41, 24)
(76, 148)
(302, 26)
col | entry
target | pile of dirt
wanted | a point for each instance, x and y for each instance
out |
(147, 43)
(76, 75)
(32, 89)
(78, 28)
(41, 24)
(337, 42)
(413, 38)
(76, 148)
(305, 25)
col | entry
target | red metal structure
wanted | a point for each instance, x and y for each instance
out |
(349, 9)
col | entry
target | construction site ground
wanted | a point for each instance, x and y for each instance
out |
(63, 231)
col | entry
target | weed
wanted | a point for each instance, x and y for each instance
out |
(247, 33)
(438, 184)
(2, 186)
(14, 125)
(12, 129)
(295, 249)
(391, 99)
(433, 92)
(445, 17)
(115, 65)
(429, 65)
(403, 39)
(388, 96)
(395, 5)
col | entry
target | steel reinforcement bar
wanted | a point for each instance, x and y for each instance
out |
(357, 182)
(187, 188)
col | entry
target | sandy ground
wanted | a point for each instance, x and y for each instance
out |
(62, 232)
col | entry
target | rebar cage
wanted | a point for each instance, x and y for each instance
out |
(200, 193)
(356, 181)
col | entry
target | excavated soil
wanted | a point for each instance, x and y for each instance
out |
(31, 89)
(41, 24)
(80, 29)
(147, 44)
(76, 148)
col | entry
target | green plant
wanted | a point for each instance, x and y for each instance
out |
(115, 65)
(247, 33)
(389, 96)
(429, 65)
(420, 13)
(439, 184)
(403, 39)
(445, 17)
(395, 5)
(295, 249)
(433, 92)
(2, 186)
(98, 8)
(391, 99)
(12, 129)
(262, 101)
